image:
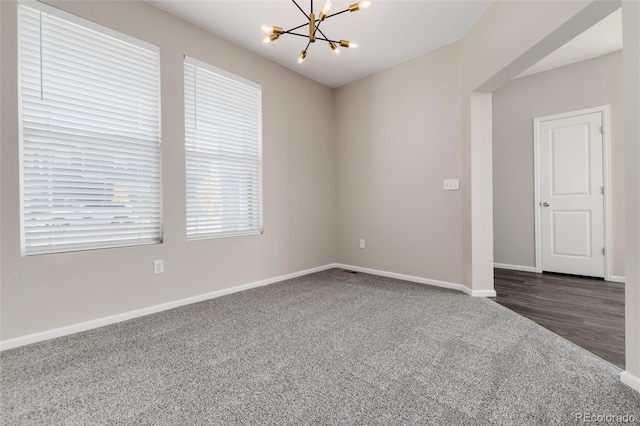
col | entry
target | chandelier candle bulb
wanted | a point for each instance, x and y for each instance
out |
(271, 38)
(347, 43)
(272, 30)
(359, 6)
(303, 55)
(325, 10)
(334, 47)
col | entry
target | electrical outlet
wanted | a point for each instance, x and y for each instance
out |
(451, 185)
(158, 266)
(361, 244)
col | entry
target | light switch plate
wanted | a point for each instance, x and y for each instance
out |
(452, 184)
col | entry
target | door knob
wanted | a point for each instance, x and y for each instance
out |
(545, 204)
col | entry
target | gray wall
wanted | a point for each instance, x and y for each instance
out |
(577, 86)
(45, 292)
(398, 137)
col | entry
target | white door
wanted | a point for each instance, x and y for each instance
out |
(571, 195)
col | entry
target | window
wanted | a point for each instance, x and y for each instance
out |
(223, 142)
(90, 135)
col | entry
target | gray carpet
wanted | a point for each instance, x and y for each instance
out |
(327, 348)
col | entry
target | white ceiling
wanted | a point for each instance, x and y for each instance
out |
(602, 38)
(389, 32)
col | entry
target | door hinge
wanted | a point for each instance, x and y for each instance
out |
(602, 130)
(603, 251)
(603, 190)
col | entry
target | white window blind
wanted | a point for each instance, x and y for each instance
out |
(223, 142)
(90, 135)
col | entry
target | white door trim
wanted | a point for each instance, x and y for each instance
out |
(606, 171)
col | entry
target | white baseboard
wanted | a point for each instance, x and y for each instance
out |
(100, 322)
(614, 278)
(515, 267)
(630, 380)
(420, 280)
(479, 293)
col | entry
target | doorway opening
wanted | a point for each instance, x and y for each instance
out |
(558, 191)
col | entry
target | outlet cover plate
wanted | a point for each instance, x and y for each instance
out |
(451, 185)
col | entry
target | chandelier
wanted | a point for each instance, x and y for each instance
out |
(314, 27)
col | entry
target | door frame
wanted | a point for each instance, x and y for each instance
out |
(606, 171)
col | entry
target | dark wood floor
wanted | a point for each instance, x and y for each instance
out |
(586, 311)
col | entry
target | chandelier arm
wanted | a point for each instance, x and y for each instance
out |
(301, 10)
(323, 35)
(328, 40)
(299, 35)
(298, 27)
(337, 13)
(317, 29)
(318, 38)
